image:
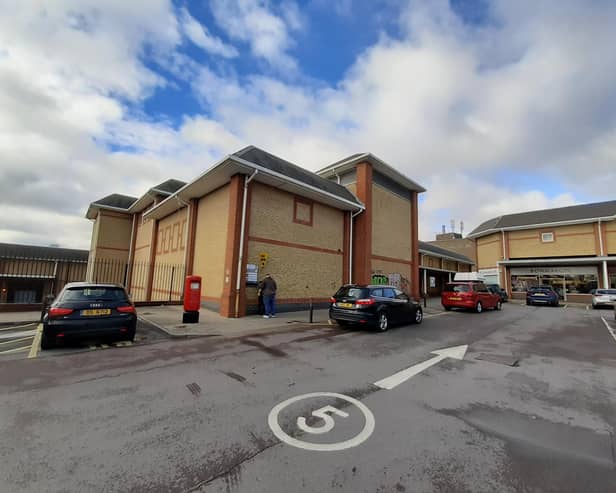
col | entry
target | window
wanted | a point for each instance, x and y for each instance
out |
(401, 295)
(302, 211)
(547, 237)
(389, 293)
(377, 292)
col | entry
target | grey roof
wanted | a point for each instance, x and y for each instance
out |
(170, 186)
(443, 252)
(547, 216)
(115, 200)
(11, 250)
(274, 163)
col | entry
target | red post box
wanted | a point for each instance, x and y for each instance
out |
(192, 299)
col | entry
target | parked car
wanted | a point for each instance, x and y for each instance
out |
(89, 311)
(470, 295)
(544, 295)
(603, 297)
(495, 288)
(375, 305)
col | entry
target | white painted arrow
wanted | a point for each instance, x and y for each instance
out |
(396, 379)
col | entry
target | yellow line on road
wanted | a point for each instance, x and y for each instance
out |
(16, 350)
(15, 340)
(36, 343)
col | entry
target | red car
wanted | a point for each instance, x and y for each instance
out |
(470, 295)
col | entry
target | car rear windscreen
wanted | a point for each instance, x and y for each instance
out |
(606, 291)
(458, 288)
(94, 293)
(352, 292)
(540, 290)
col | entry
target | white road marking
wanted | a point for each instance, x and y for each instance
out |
(12, 327)
(367, 430)
(15, 350)
(436, 314)
(396, 379)
(611, 330)
(21, 333)
(15, 340)
(36, 343)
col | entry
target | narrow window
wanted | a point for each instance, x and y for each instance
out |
(547, 237)
(302, 212)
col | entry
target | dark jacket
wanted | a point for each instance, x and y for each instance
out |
(269, 286)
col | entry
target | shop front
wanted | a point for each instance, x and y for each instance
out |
(572, 283)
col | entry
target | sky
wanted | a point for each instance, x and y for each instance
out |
(495, 107)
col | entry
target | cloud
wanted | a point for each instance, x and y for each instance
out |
(200, 36)
(267, 33)
(512, 114)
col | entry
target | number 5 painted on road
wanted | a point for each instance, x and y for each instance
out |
(328, 421)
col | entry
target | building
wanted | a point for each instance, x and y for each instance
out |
(571, 248)
(28, 273)
(254, 213)
(438, 265)
(454, 242)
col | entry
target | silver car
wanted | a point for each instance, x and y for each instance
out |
(603, 297)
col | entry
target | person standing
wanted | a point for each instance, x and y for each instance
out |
(269, 296)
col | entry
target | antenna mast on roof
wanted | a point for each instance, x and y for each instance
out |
(452, 223)
(443, 229)
(461, 228)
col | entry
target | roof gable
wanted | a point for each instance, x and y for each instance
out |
(443, 252)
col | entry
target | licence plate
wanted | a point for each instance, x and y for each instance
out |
(345, 305)
(96, 312)
(452, 298)
(539, 294)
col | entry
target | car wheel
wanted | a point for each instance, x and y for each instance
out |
(479, 307)
(47, 342)
(528, 303)
(383, 322)
(130, 336)
(499, 305)
(447, 308)
(418, 316)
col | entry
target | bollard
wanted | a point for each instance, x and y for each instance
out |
(425, 301)
(310, 310)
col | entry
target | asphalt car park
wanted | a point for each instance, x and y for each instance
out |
(516, 400)
(21, 341)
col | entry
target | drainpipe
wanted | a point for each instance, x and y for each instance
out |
(504, 258)
(187, 205)
(605, 282)
(238, 282)
(129, 270)
(353, 215)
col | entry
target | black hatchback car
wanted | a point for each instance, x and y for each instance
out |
(89, 311)
(374, 305)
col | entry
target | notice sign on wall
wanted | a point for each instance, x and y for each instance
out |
(432, 281)
(252, 274)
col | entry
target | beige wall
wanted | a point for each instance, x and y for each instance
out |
(299, 273)
(489, 251)
(141, 259)
(463, 246)
(610, 238)
(211, 241)
(169, 259)
(429, 261)
(113, 235)
(391, 224)
(271, 216)
(568, 241)
(306, 260)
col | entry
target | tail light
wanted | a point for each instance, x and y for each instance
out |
(126, 309)
(56, 312)
(365, 302)
(332, 300)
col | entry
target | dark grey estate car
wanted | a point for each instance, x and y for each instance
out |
(374, 305)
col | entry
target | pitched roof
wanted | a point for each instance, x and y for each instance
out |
(274, 163)
(11, 250)
(443, 252)
(378, 164)
(116, 200)
(168, 187)
(574, 213)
